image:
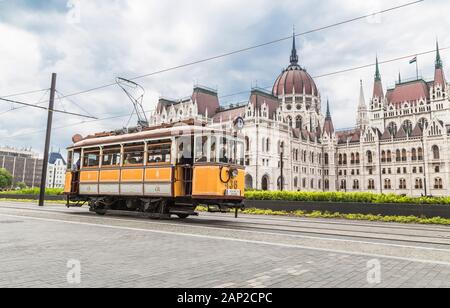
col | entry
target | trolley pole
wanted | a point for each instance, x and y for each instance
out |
(47, 140)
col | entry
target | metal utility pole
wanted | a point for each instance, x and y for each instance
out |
(282, 166)
(47, 140)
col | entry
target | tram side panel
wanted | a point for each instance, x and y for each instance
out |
(212, 182)
(126, 182)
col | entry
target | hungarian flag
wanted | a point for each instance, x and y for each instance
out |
(413, 60)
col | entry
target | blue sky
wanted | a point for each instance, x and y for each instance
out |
(98, 40)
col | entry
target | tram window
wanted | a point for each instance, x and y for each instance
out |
(240, 159)
(184, 156)
(201, 149)
(133, 155)
(111, 157)
(159, 153)
(77, 161)
(213, 155)
(224, 151)
(91, 159)
(70, 160)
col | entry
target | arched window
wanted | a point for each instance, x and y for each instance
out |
(371, 184)
(436, 152)
(341, 159)
(389, 156)
(352, 158)
(383, 156)
(402, 184)
(419, 184)
(423, 123)
(327, 159)
(248, 181)
(345, 159)
(327, 184)
(263, 144)
(369, 157)
(387, 184)
(268, 145)
(265, 183)
(438, 184)
(343, 185)
(247, 143)
(420, 154)
(404, 155)
(408, 127)
(414, 154)
(296, 182)
(392, 127)
(355, 185)
(358, 160)
(299, 122)
(398, 156)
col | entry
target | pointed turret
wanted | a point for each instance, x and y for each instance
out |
(294, 56)
(438, 57)
(363, 118)
(439, 78)
(328, 127)
(328, 117)
(378, 85)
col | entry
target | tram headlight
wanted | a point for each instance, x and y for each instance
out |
(234, 173)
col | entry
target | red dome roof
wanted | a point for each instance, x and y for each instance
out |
(294, 77)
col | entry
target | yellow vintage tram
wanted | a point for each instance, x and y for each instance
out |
(159, 171)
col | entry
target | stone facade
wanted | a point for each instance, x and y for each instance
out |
(400, 144)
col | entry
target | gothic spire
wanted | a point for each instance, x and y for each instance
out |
(328, 117)
(438, 57)
(377, 72)
(362, 101)
(378, 85)
(294, 56)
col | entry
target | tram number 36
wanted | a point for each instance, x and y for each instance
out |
(233, 184)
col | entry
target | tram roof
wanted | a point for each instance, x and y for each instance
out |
(156, 133)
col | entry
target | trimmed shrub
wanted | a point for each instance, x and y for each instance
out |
(342, 197)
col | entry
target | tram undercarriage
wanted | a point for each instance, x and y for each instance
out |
(153, 208)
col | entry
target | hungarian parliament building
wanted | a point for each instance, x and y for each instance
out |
(400, 143)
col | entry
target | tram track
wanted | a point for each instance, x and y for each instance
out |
(291, 228)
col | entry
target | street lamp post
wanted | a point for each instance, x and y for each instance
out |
(281, 166)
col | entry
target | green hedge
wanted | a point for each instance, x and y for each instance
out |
(342, 197)
(34, 191)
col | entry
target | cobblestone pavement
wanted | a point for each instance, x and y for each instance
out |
(37, 245)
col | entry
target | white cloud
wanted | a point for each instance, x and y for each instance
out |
(129, 38)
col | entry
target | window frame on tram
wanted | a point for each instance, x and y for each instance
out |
(89, 151)
(113, 151)
(131, 149)
(219, 148)
(160, 148)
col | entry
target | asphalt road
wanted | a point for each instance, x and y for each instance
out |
(58, 247)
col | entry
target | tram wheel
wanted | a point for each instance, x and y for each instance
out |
(182, 216)
(100, 212)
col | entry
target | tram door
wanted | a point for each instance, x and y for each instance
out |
(184, 166)
(72, 182)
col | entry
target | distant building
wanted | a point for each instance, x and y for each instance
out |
(24, 165)
(56, 171)
(400, 145)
